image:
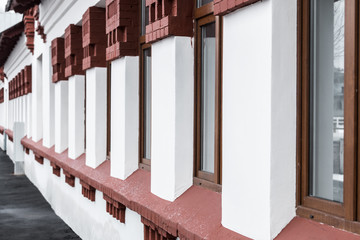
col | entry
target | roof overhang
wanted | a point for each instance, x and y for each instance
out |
(8, 40)
(20, 6)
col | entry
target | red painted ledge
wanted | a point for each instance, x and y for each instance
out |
(301, 228)
(9, 133)
(196, 214)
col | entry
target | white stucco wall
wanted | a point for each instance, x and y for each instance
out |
(88, 219)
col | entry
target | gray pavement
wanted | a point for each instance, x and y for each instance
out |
(24, 213)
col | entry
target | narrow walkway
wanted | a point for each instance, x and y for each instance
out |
(24, 213)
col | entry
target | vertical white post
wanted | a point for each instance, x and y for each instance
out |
(61, 116)
(37, 117)
(76, 116)
(124, 116)
(29, 115)
(19, 132)
(172, 117)
(48, 102)
(96, 108)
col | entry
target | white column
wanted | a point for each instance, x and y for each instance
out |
(37, 117)
(19, 132)
(124, 116)
(259, 119)
(48, 103)
(96, 116)
(76, 116)
(61, 116)
(29, 115)
(172, 117)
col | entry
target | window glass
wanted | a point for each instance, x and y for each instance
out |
(327, 100)
(201, 3)
(207, 97)
(147, 102)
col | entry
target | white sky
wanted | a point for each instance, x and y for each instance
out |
(2, 5)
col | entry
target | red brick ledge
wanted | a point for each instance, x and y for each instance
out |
(223, 7)
(2, 129)
(194, 215)
(9, 133)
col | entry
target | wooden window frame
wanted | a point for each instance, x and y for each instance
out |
(204, 15)
(144, 163)
(108, 111)
(342, 215)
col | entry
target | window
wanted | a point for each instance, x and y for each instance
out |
(327, 112)
(145, 93)
(207, 97)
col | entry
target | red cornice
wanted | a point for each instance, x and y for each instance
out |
(8, 40)
(20, 6)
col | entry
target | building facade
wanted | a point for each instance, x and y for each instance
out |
(169, 119)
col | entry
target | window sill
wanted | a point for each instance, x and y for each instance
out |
(196, 214)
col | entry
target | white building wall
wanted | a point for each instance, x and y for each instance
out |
(88, 219)
(9, 19)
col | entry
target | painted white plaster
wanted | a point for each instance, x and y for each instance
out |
(61, 116)
(96, 102)
(37, 123)
(29, 114)
(88, 219)
(172, 117)
(48, 101)
(124, 116)
(259, 79)
(9, 148)
(76, 116)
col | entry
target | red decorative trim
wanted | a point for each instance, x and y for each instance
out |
(73, 51)
(28, 79)
(9, 133)
(169, 18)
(69, 179)
(152, 231)
(56, 169)
(2, 129)
(27, 151)
(115, 208)
(58, 59)
(38, 158)
(29, 22)
(39, 28)
(88, 191)
(122, 28)
(2, 95)
(223, 7)
(94, 38)
(2, 74)
(196, 214)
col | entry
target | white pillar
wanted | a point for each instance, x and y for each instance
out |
(76, 116)
(37, 117)
(18, 134)
(124, 116)
(96, 103)
(259, 118)
(172, 117)
(29, 114)
(48, 103)
(61, 116)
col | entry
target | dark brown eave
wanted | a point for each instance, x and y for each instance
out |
(20, 6)
(8, 40)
